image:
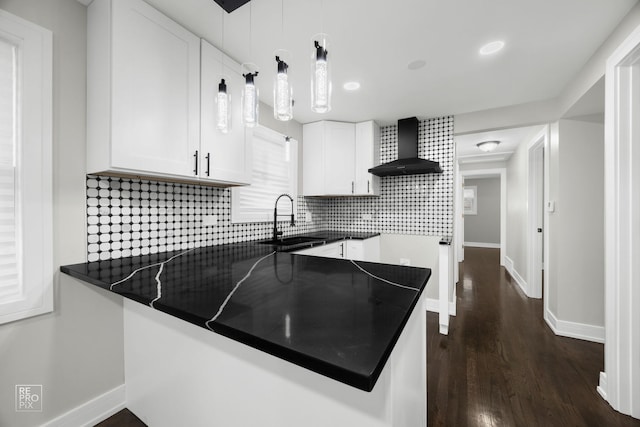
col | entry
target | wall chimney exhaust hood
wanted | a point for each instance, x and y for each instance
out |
(408, 162)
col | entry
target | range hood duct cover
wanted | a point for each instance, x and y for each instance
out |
(408, 162)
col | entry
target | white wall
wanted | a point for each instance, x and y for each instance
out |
(578, 224)
(76, 352)
(484, 227)
(517, 191)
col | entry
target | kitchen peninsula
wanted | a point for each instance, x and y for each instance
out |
(348, 337)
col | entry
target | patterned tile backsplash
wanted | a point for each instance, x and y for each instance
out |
(414, 204)
(129, 217)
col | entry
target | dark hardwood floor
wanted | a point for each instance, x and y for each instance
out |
(501, 365)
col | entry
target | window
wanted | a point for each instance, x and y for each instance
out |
(274, 172)
(26, 265)
(470, 194)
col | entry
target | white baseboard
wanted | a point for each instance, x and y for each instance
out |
(433, 305)
(602, 386)
(94, 411)
(482, 245)
(580, 331)
(516, 276)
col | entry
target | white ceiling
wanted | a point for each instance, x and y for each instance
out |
(373, 41)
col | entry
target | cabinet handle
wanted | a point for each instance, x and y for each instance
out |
(368, 190)
(195, 171)
(341, 250)
(352, 187)
(208, 163)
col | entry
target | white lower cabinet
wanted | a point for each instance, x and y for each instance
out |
(357, 250)
(331, 250)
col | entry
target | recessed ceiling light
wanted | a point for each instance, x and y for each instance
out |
(417, 64)
(488, 146)
(491, 48)
(351, 86)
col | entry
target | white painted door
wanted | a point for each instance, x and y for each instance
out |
(155, 91)
(339, 158)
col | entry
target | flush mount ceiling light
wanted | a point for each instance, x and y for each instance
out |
(351, 86)
(488, 146)
(491, 48)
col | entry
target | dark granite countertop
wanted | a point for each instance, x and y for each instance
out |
(336, 317)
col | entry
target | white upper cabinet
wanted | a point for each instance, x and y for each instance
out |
(143, 91)
(337, 156)
(367, 156)
(150, 113)
(224, 158)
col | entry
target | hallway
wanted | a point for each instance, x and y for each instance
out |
(501, 365)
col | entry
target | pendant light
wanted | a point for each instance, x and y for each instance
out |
(250, 102)
(250, 95)
(223, 100)
(223, 122)
(282, 90)
(282, 93)
(320, 75)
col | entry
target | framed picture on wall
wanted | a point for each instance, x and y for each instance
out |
(470, 197)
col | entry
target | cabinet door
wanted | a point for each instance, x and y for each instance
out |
(155, 91)
(223, 157)
(313, 159)
(331, 250)
(367, 155)
(355, 250)
(339, 158)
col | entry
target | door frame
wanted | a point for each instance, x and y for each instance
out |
(502, 174)
(620, 381)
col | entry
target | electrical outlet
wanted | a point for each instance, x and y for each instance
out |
(405, 261)
(308, 217)
(210, 220)
(367, 217)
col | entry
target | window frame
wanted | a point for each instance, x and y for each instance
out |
(34, 117)
(473, 208)
(238, 217)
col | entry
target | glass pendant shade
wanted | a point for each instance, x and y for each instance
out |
(320, 76)
(223, 109)
(282, 93)
(250, 101)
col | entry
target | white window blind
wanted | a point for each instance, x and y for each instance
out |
(26, 255)
(274, 172)
(9, 239)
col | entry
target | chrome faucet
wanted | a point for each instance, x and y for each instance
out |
(277, 233)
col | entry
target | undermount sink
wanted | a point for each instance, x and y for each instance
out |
(290, 241)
